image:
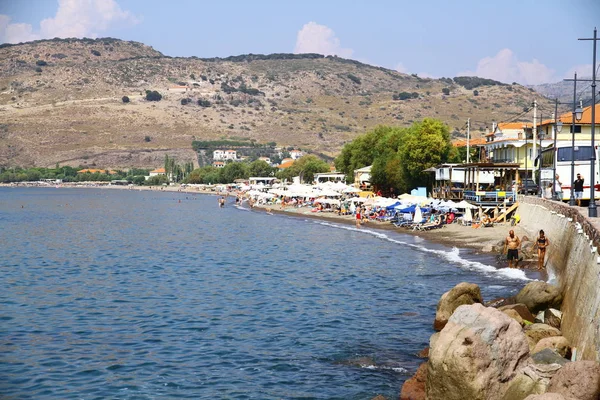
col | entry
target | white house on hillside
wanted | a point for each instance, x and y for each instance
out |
(224, 155)
(296, 154)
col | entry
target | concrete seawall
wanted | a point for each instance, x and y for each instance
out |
(572, 265)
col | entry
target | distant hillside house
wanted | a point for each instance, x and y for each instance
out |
(178, 89)
(218, 164)
(285, 164)
(96, 171)
(220, 155)
(158, 171)
(296, 154)
(265, 159)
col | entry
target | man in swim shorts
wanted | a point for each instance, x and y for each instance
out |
(512, 245)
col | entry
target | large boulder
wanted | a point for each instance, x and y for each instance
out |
(537, 332)
(548, 396)
(476, 355)
(560, 344)
(514, 315)
(538, 296)
(521, 309)
(548, 356)
(579, 379)
(414, 388)
(461, 294)
(553, 318)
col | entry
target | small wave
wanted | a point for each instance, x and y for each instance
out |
(385, 368)
(451, 255)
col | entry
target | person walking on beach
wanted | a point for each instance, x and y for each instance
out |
(578, 188)
(542, 243)
(512, 244)
(358, 217)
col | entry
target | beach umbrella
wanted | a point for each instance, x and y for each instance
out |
(464, 204)
(468, 217)
(418, 215)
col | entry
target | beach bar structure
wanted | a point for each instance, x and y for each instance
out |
(330, 177)
(482, 184)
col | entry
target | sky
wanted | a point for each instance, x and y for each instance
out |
(525, 41)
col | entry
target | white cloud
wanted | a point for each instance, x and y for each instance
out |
(401, 68)
(583, 71)
(74, 18)
(505, 67)
(315, 38)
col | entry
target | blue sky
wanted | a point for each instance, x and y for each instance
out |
(525, 41)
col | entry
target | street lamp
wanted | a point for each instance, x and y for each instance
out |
(577, 112)
(541, 135)
(557, 128)
(526, 171)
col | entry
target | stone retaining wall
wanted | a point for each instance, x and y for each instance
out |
(573, 264)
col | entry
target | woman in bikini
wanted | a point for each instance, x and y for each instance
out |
(542, 243)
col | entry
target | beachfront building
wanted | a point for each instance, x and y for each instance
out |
(513, 143)
(261, 181)
(583, 127)
(362, 177)
(329, 177)
(158, 171)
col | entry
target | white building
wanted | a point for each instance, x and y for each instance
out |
(220, 155)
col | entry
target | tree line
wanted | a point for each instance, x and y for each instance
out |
(398, 155)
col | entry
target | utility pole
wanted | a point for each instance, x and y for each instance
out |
(534, 130)
(592, 210)
(468, 136)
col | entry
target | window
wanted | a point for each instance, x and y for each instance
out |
(582, 153)
(577, 128)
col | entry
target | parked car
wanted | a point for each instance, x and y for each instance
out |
(530, 188)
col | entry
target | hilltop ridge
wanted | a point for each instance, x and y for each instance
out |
(61, 102)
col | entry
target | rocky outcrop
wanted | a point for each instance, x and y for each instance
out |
(579, 380)
(521, 309)
(560, 344)
(476, 355)
(537, 332)
(553, 318)
(414, 388)
(514, 315)
(462, 294)
(538, 296)
(547, 396)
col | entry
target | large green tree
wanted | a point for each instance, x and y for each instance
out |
(260, 168)
(305, 167)
(425, 145)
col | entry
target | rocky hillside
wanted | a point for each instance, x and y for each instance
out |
(61, 102)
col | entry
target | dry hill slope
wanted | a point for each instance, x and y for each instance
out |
(61, 102)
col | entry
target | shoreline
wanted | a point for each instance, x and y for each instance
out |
(481, 240)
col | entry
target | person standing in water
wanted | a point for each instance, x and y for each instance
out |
(542, 243)
(512, 244)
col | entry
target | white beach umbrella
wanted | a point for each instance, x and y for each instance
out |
(464, 204)
(350, 189)
(468, 217)
(418, 215)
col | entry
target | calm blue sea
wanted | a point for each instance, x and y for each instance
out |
(123, 294)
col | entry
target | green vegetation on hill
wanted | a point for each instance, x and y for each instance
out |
(472, 82)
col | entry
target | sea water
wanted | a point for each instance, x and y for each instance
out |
(128, 294)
